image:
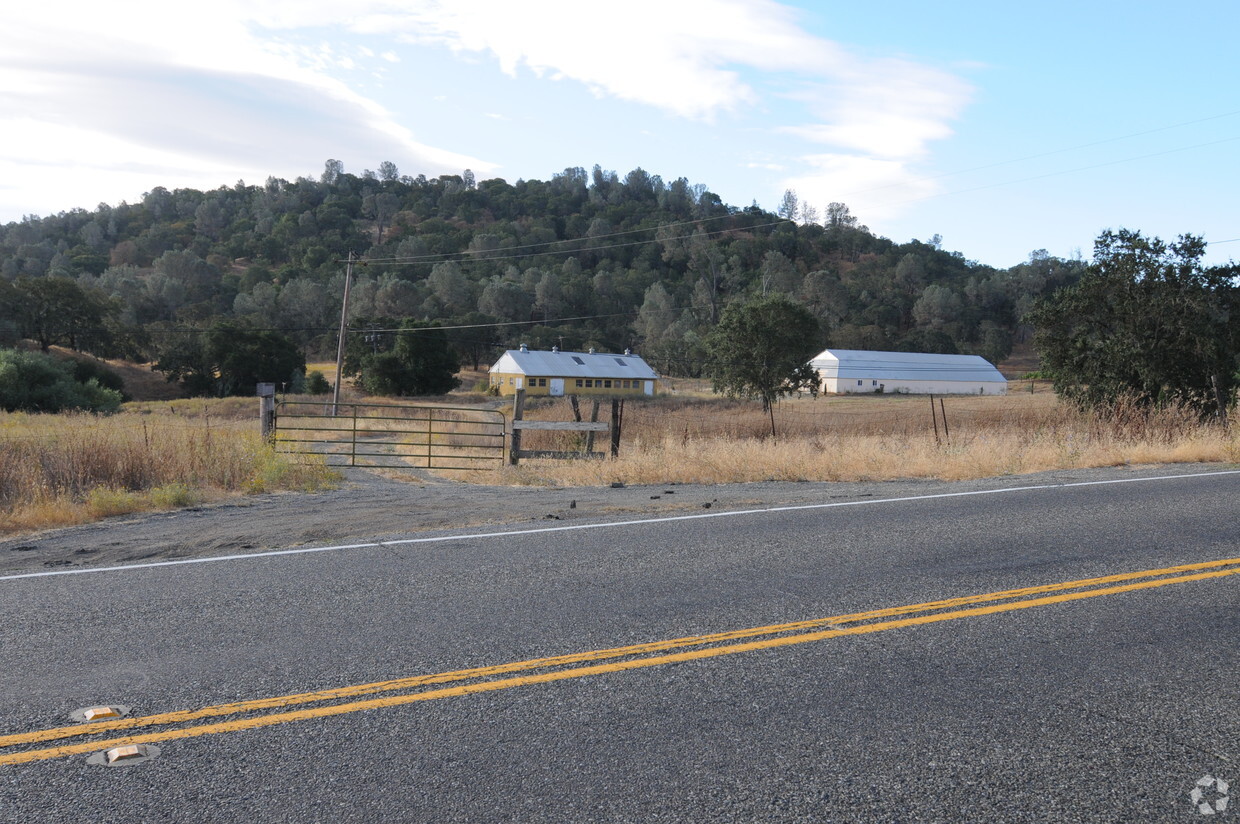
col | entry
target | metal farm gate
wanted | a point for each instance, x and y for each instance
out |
(393, 436)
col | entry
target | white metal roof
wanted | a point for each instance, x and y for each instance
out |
(906, 366)
(573, 365)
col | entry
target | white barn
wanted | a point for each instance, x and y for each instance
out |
(849, 371)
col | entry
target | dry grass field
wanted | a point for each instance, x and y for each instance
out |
(691, 438)
(57, 470)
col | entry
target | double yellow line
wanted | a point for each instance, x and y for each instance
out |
(19, 748)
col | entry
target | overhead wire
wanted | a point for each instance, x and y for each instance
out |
(443, 257)
(429, 258)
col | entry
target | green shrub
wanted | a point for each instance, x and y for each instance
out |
(173, 496)
(105, 502)
(85, 370)
(316, 383)
(34, 382)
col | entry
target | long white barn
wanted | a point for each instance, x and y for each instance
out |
(848, 371)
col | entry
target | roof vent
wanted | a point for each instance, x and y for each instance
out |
(555, 349)
(591, 350)
(524, 348)
(628, 351)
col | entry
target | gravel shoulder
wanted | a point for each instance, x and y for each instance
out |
(368, 506)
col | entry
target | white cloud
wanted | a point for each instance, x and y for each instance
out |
(171, 92)
(689, 58)
(95, 107)
(701, 59)
(874, 188)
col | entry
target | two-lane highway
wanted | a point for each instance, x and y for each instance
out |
(1049, 653)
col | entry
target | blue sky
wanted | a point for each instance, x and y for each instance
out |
(1004, 128)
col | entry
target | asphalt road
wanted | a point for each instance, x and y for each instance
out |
(1102, 701)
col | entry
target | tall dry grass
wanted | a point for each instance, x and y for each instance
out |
(870, 439)
(57, 470)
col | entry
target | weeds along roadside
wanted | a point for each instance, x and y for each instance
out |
(58, 470)
(872, 439)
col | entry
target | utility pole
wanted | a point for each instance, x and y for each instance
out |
(344, 320)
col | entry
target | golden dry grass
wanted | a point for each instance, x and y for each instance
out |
(867, 438)
(57, 470)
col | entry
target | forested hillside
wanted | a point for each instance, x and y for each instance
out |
(581, 260)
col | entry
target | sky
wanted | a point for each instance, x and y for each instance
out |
(1002, 128)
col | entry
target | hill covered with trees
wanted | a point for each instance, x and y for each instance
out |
(583, 259)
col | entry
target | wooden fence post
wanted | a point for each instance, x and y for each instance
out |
(267, 415)
(267, 410)
(518, 412)
(934, 418)
(617, 421)
(593, 419)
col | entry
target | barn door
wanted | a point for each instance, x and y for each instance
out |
(557, 387)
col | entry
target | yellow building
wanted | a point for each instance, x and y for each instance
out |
(557, 373)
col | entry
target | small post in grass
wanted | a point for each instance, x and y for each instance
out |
(617, 421)
(267, 410)
(518, 412)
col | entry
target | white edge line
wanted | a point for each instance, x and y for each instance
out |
(608, 525)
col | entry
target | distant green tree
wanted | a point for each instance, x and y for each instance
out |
(84, 371)
(1146, 322)
(420, 362)
(56, 310)
(761, 349)
(35, 382)
(317, 383)
(478, 341)
(228, 358)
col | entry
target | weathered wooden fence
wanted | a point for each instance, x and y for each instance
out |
(590, 427)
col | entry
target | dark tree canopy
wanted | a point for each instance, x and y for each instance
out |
(420, 362)
(56, 310)
(761, 349)
(230, 359)
(1147, 323)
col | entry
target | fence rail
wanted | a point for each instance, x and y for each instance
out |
(394, 436)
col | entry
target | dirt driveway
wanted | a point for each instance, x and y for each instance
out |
(368, 506)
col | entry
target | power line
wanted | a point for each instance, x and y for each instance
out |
(428, 258)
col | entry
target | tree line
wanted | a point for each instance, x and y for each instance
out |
(585, 259)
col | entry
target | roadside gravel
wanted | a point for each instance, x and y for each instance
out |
(368, 506)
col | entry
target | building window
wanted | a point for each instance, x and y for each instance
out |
(542, 381)
(579, 383)
(589, 384)
(607, 384)
(860, 383)
(873, 383)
